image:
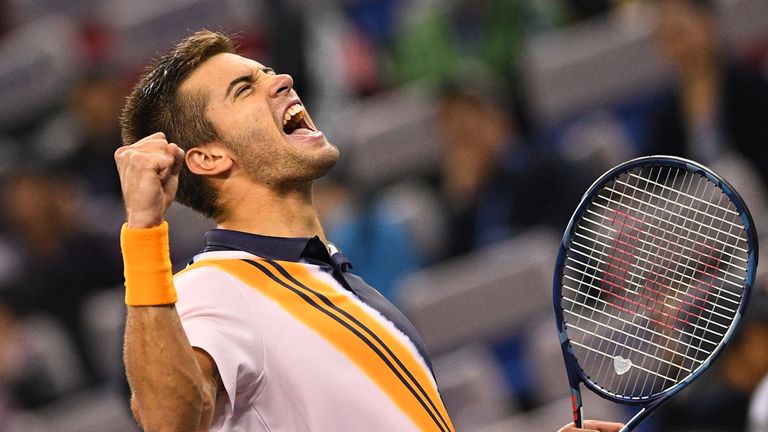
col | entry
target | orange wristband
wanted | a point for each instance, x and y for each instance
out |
(147, 263)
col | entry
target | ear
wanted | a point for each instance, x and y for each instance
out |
(209, 160)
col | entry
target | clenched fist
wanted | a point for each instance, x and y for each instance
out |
(149, 175)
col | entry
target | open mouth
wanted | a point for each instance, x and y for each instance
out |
(295, 120)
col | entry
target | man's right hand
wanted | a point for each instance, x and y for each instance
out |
(149, 176)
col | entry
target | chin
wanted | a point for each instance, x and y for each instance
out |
(323, 162)
(308, 166)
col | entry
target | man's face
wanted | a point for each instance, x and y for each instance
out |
(260, 117)
(686, 35)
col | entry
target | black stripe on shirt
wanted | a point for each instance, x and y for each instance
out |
(441, 424)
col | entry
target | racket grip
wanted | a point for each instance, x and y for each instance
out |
(578, 418)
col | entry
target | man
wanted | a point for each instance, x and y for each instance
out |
(716, 108)
(268, 330)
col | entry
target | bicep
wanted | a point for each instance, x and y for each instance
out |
(211, 385)
(219, 324)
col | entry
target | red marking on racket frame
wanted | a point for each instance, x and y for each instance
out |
(574, 407)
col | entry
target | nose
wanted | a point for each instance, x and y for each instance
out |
(280, 85)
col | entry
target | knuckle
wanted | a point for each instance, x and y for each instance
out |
(136, 158)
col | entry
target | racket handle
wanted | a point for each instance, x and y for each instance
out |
(578, 417)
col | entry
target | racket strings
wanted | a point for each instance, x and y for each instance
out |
(688, 245)
(683, 200)
(691, 197)
(652, 280)
(689, 276)
(682, 253)
(637, 276)
(675, 214)
(666, 270)
(657, 310)
(645, 307)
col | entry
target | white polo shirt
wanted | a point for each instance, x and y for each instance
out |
(296, 346)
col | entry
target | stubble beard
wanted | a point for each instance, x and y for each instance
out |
(273, 163)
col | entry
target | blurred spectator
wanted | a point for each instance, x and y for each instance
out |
(371, 232)
(434, 43)
(493, 186)
(371, 34)
(32, 375)
(492, 183)
(84, 137)
(758, 408)
(584, 9)
(719, 401)
(758, 405)
(716, 105)
(61, 261)
(287, 33)
(5, 17)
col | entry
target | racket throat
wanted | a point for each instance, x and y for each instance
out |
(644, 413)
(635, 421)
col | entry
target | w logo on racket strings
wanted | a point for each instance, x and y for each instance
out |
(648, 269)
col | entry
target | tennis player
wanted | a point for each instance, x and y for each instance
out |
(266, 329)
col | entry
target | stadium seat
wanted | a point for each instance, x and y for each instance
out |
(39, 60)
(488, 295)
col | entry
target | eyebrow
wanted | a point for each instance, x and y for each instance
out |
(250, 78)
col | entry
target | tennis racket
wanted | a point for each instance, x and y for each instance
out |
(653, 275)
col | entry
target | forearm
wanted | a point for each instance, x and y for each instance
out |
(169, 390)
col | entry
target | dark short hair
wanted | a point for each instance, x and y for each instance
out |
(706, 6)
(157, 105)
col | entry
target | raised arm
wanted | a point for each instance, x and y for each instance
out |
(173, 386)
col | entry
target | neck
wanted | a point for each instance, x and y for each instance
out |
(701, 66)
(276, 212)
(701, 93)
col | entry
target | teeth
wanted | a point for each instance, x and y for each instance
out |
(292, 111)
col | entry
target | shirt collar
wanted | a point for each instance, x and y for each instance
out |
(294, 249)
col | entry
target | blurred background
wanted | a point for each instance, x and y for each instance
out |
(468, 129)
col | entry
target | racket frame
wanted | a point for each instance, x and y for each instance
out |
(574, 371)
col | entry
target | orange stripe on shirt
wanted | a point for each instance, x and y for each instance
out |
(326, 322)
(413, 370)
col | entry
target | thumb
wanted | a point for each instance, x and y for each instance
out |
(602, 426)
(178, 158)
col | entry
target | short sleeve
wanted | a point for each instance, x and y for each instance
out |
(217, 318)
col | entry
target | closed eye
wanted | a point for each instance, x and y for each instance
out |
(242, 90)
